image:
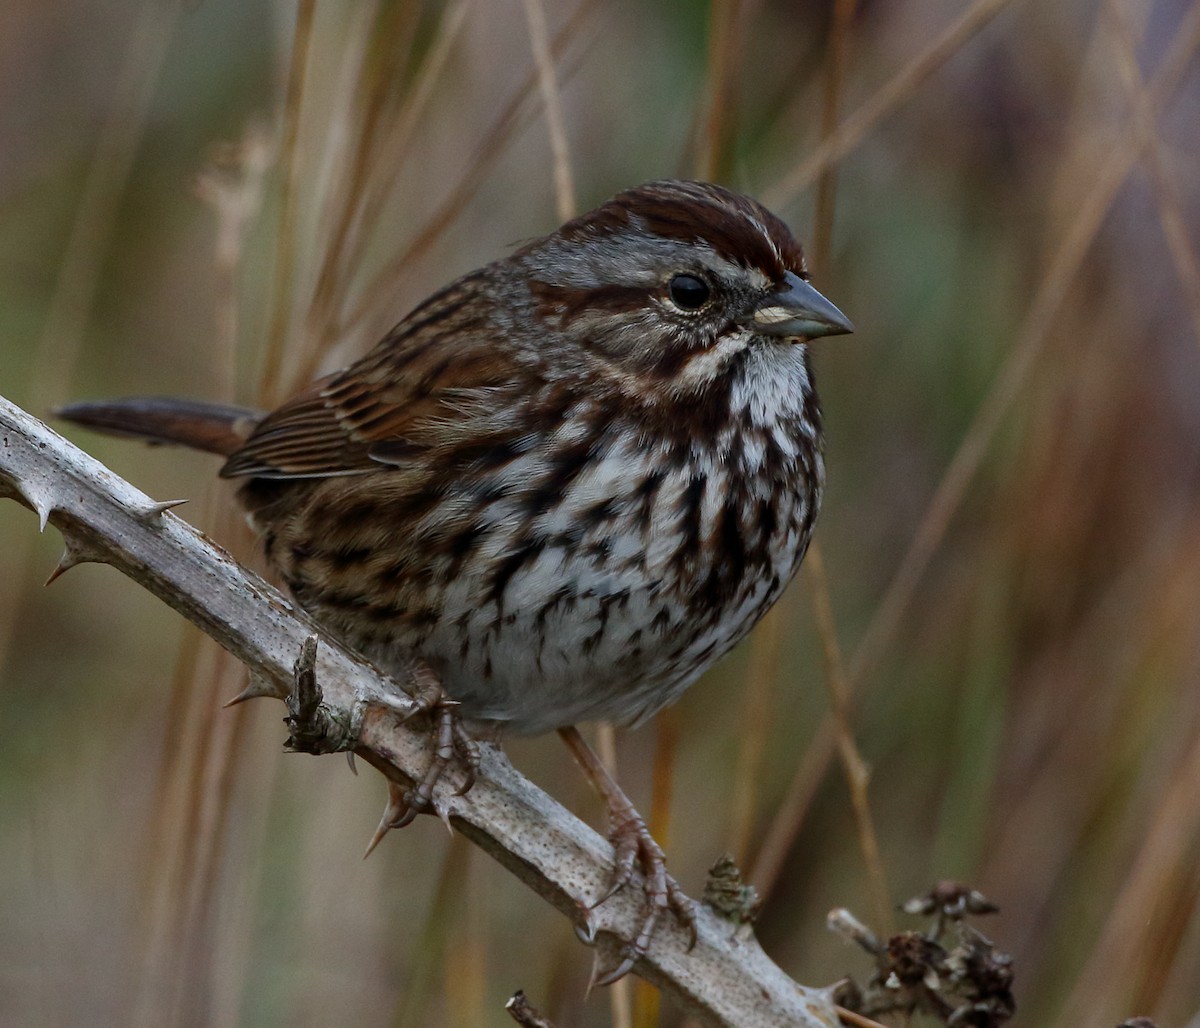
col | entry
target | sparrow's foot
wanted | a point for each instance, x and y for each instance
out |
(315, 727)
(451, 740)
(635, 849)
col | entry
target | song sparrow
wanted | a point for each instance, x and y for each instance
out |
(570, 481)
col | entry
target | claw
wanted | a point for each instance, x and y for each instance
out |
(442, 811)
(684, 908)
(409, 815)
(627, 845)
(468, 750)
(634, 847)
(586, 932)
(450, 740)
(617, 973)
(429, 695)
(616, 885)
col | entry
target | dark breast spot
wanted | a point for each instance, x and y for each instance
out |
(688, 524)
(523, 553)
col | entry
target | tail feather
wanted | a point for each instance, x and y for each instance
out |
(212, 427)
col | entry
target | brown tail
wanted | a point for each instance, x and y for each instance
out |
(211, 427)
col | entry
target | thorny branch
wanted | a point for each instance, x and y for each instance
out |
(726, 979)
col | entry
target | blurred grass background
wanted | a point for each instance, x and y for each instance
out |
(193, 193)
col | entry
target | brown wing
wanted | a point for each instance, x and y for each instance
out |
(438, 379)
(306, 437)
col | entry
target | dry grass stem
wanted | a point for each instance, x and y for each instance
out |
(884, 101)
(394, 150)
(233, 189)
(192, 819)
(718, 129)
(1168, 849)
(621, 992)
(831, 101)
(858, 775)
(466, 971)
(1166, 194)
(167, 843)
(770, 858)
(1062, 269)
(271, 376)
(564, 179)
(504, 128)
(380, 73)
(647, 999)
(209, 823)
(755, 721)
(431, 950)
(855, 768)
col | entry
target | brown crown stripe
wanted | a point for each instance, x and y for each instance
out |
(726, 224)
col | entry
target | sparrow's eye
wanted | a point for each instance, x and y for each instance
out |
(688, 292)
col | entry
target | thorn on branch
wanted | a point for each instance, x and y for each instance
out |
(74, 553)
(39, 500)
(258, 687)
(155, 508)
(394, 813)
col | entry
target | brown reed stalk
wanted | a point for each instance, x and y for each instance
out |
(831, 102)
(56, 353)
(1168, 849)
(394, 148)
(766, 863)
(755, 719)
(548, 87)
(504, 128)
(1062, 268)
(431, 949)
(718, 125)
(855, 768)
(715, 132)
(853, 765)
(389, 44)
(1061, 271)
(192, 815)
(896, 91)
(270, 379)
(1166, 194)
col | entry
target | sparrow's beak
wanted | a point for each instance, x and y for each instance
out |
(797, 311)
